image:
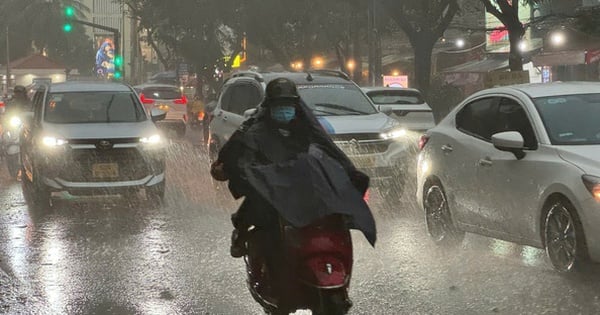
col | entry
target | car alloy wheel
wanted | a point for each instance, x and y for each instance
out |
(561, 232)
(438, 218)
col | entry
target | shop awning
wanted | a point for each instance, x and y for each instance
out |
(479, 66)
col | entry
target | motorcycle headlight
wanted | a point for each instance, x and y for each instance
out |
(394, 134)
(592, 183)
(154, 139)
(53, 142)
(15, 122)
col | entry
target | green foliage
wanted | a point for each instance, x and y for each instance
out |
(41, 24)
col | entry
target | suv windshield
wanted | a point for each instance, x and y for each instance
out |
(398, 97)
(335, 99)
(571, 119)
(162, 93)
(92, 107)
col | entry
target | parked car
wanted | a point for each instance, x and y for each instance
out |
(406, 105)
(371, 139)
(170, 99)
(518, 163)
(91, 138)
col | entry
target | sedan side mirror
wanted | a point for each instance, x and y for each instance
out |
(157, 114)
(388, 110)
(210, 107)
(249, 112)
(510, 141)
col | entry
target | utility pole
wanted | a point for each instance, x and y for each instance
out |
(7, 62)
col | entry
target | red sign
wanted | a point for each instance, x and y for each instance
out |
(592, 56)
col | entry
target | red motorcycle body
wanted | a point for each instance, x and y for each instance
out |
(316, 269)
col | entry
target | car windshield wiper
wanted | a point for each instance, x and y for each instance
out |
(112, 98)
(341, 107)
(324, 112)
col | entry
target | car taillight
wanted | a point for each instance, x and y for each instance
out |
(182, 100)
(423, 141)
(146, 100)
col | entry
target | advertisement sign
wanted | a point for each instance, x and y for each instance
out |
(503, 78)
(395, 81)
(105, 57)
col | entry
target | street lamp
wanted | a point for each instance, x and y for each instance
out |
(351, 65)
(557, 38)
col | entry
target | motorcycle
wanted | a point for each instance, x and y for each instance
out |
(11, 149)
(317, 267)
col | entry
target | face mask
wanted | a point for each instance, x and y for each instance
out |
(283, 114)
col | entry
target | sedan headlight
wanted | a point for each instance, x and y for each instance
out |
(592, 183)
(394, 134)
(15, 122)
(154, 139)
(53, 142)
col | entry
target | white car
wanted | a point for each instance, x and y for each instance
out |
(405, 105)
(90, 138)
(519, 163)
(376, 143)
(168, 98)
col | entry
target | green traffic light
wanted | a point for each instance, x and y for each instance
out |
(67, 28)
(118, 61)
(69, 11)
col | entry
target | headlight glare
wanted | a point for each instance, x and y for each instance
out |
(394, 133)
(15, 122)
(154, 139)
(592, 183)
(53, 142)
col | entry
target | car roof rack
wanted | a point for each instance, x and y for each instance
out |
(249, 74)
(327, 72)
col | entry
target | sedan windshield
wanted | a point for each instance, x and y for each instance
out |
(336, 99)
(571, 119)
(396, 97)
(92, 107)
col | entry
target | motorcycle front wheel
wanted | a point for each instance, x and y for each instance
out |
(12, 163)
(333, 303)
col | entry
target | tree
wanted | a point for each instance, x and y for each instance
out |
(38, 24)
(508, 13)
(424, 23)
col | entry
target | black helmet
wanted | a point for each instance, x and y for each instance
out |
(282, 88)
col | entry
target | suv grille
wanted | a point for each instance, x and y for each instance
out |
(125, 164)
(365, 143)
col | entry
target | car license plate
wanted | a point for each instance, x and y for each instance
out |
(105, 170)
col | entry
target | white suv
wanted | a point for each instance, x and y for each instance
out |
(89, 138)
(375, 142)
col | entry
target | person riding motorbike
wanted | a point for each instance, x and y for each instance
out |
(282, 129)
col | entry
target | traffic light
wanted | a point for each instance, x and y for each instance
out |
(118, 61)
(69, 12)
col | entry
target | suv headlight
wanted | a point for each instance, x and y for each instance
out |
(154, 139)
(394, 134)
(53, 142)
(592, 183)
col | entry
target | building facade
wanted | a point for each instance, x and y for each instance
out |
(114, 15)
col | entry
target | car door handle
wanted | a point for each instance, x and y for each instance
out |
(447, 148)
(485, 162)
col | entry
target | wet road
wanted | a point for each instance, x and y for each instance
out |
(124, 257)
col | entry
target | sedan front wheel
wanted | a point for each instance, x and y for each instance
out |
(564, 241)
(440, 226)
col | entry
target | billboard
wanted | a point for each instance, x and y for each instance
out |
(105, 57)
(395, 81)
(497, 40)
